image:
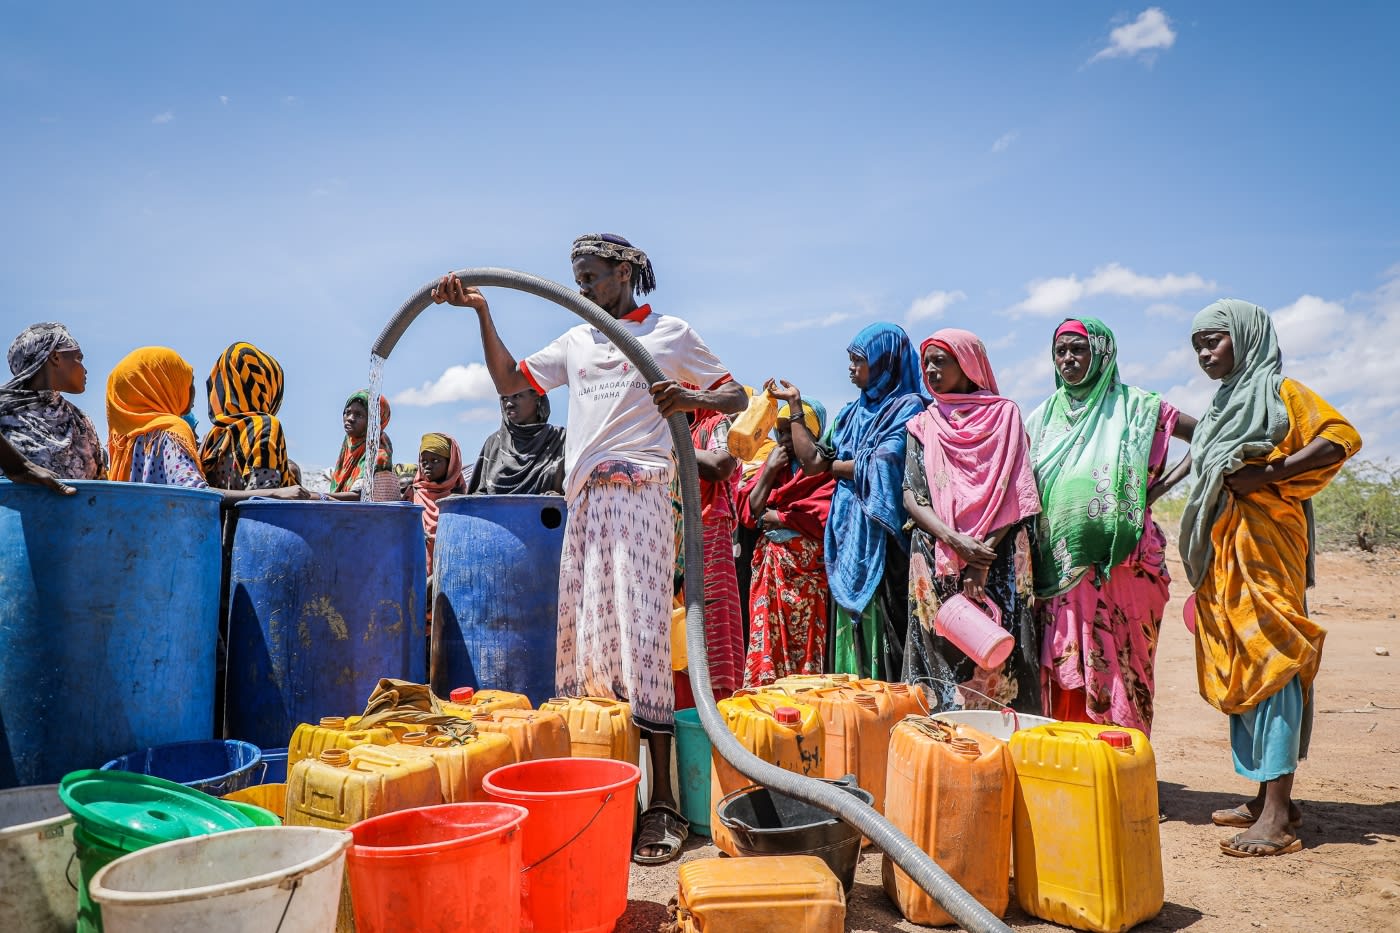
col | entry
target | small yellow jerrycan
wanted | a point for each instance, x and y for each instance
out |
(1085, 837)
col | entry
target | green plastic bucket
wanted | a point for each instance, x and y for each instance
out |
(119, 812)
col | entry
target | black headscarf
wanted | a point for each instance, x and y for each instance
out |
(521, 459)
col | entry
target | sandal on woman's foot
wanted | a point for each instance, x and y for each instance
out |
(1240, 818)
(661, 825)
(1235, 846)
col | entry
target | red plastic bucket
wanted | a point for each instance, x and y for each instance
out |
(445, 868)
(578, 840)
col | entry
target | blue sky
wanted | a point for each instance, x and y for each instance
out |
(288, 174)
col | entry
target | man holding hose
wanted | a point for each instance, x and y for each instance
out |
(615, 580)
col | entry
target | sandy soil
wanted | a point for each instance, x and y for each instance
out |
(1348, 876)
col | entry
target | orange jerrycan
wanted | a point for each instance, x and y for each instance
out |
(598, 727)
(778, 894)
(466, 702)
(460, 764)
(533, 733)
(856, 723)
(902, 698)
(777, 729)
(950, 789)
(308, 741)
(1085, 838)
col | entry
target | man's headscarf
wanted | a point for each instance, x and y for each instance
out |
(611, 246)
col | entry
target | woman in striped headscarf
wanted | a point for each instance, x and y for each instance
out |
(245, 448)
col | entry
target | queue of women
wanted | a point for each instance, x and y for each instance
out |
(931, 485)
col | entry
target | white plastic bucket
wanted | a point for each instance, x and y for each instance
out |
(36, 845)
(998, 723)
(283, 878)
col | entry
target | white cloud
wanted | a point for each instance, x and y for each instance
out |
(932, 305)
(223, 99)
(1004, 141)
(1306, 323)
(1057, 295)
(291, 100)
(470, 383)
(165, 116)
(813, 323)
(1144, 36)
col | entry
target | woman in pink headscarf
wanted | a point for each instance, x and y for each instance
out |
(971, 495)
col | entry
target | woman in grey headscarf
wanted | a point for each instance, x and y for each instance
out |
(41, 424)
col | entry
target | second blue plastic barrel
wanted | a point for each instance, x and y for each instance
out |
(497, 601)
(109, 607)
(324, 600)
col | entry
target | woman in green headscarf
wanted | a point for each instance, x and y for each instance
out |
(1099, 448)
(1264, 447)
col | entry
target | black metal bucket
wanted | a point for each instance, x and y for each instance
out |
(764, 822)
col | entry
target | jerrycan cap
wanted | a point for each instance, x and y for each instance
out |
(332, 722)
(1116, 738)
(462, 694)
(414, 738)
(787, 716)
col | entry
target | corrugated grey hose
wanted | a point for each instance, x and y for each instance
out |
(960, 905)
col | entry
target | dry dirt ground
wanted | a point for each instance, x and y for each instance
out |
(1348, 876)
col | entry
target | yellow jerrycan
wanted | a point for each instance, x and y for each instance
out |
(1085, 839)
(466, 702)
(308, 740)
(950, 789)
(342, 786)
(776, 728)
(460, 765)
(598, 727)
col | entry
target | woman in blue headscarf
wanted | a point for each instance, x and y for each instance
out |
(867, 549)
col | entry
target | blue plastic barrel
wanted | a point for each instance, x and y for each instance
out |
(109, 608)
(216, 767)
(325, 598)
(497, 593)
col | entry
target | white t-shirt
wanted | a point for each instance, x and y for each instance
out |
(611, 414)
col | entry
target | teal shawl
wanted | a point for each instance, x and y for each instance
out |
(1091, 444)
(1246, 419)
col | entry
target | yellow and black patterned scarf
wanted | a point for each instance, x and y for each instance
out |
(245, 392)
